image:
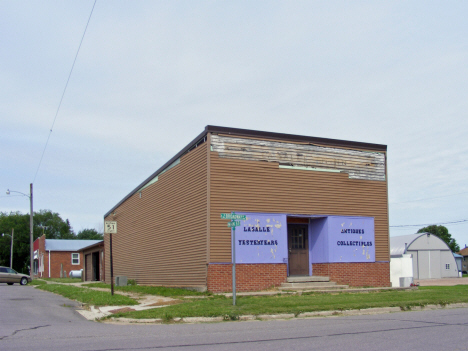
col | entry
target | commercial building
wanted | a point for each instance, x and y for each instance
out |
(312, 207)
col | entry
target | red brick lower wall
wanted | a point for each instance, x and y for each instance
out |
(60, 259)
(249, 277)
(355, 274)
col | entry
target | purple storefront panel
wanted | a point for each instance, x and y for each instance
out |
(262, 238)
(351, 239)
(318, 240)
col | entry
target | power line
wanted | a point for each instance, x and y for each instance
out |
(64, 90)
(425, 225)
(428, 198)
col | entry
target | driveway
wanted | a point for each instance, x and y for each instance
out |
(442, 282)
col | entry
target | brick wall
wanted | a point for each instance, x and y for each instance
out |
(249, 277)
(355, 274)
(61, 257)
(56, 258)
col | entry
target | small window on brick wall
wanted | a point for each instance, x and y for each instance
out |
(75, 258)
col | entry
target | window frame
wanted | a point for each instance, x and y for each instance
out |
(75, 258)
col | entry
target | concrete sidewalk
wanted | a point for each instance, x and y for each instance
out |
(284, 316)
(145, 302)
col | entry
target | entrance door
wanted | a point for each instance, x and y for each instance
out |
(429, 264)
(96, 266)
(88, 268)
(298, 244)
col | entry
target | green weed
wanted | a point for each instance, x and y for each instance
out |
(88, 296)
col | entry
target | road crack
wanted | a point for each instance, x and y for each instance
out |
(20, 330)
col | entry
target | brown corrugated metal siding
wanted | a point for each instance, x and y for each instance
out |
(169, 228)
(241, 184)
(161, 237)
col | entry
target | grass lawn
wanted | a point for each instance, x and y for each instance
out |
(219, 305)
(38, 282)
(151, 290)
(88, 296)
(222, 306)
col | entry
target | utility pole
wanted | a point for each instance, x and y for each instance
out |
(11, 249)
(30, 225)
(31, 247)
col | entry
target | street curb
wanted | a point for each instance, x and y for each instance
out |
(267, 317)
(289, 316)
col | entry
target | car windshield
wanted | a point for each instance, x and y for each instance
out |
(9, 270)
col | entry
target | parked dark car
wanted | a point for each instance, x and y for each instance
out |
(10, 276)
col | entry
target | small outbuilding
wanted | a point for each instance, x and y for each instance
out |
(431, 256)
(459, 260)
(94, 269)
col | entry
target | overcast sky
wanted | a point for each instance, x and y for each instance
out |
(150, 75)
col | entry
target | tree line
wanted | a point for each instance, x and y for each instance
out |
(44, 222)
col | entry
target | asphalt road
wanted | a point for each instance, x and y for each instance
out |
(32, 319)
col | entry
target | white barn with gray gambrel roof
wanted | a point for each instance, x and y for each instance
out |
(432, 257)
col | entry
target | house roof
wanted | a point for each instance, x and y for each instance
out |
(399, 244)
(201, 138)
(463, 252)
(92, 245)
(68, 245)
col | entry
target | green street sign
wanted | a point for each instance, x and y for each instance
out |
(233, 216)
(233, 224)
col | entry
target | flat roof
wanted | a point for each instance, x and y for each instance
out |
(252, 133)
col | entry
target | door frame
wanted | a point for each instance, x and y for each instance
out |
(305, 266)
(95, 259)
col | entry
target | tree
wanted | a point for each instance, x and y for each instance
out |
(89, 234)
(443, 233)
(52, 225)
(44, 221)
(20, 222)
